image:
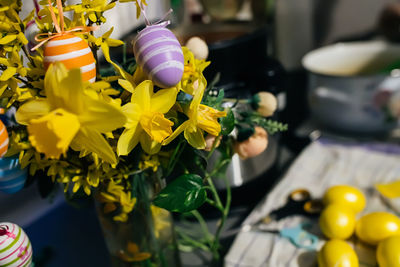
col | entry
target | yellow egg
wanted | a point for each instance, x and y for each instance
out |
(377, 226)
(337, 221)
(388, 252)
(337, 253)
(345, 195)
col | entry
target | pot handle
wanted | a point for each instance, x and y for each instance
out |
(326, 93)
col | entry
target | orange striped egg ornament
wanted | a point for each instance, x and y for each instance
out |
(3, 139)
(74, 52)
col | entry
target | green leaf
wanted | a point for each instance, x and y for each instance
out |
(273, 127)
(227, 123)
(184, 194)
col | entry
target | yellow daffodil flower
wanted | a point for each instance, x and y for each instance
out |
(50, 131)
(193, 71)
(138, 4)
(201, 118)
(69, 117)
(146, 122)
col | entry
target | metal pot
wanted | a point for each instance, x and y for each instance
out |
(350, 84)
(240, 172)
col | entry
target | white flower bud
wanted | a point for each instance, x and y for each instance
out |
(267, 104)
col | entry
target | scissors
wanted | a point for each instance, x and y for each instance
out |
(299, 202)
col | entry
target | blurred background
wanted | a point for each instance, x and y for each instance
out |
(254, 45)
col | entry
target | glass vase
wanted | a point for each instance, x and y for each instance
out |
(146, 236)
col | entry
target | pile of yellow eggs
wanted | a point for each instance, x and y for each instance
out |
(338, 222)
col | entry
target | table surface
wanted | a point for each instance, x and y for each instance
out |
(68, 236)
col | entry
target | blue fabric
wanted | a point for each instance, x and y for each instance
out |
(67, 237)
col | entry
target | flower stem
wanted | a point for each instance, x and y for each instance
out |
(225, 213)
(24, 81)
(28, 55)
(217, 203)
(175, 156)
(203, 226)
(94, 49)
(124, 54)
(193, 242)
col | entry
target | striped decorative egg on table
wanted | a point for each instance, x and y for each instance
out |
(74, 52)
(15, 247)
(3, 139)
(159, 53)
(12, 177)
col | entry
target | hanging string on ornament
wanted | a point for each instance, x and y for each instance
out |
(63, 46)
(159, 53)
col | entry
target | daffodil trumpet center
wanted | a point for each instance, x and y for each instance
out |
(52, 134)
(156, 125)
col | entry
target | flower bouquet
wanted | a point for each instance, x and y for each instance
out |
(137, 140)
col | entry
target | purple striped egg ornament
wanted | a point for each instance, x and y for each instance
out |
(159, 53)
